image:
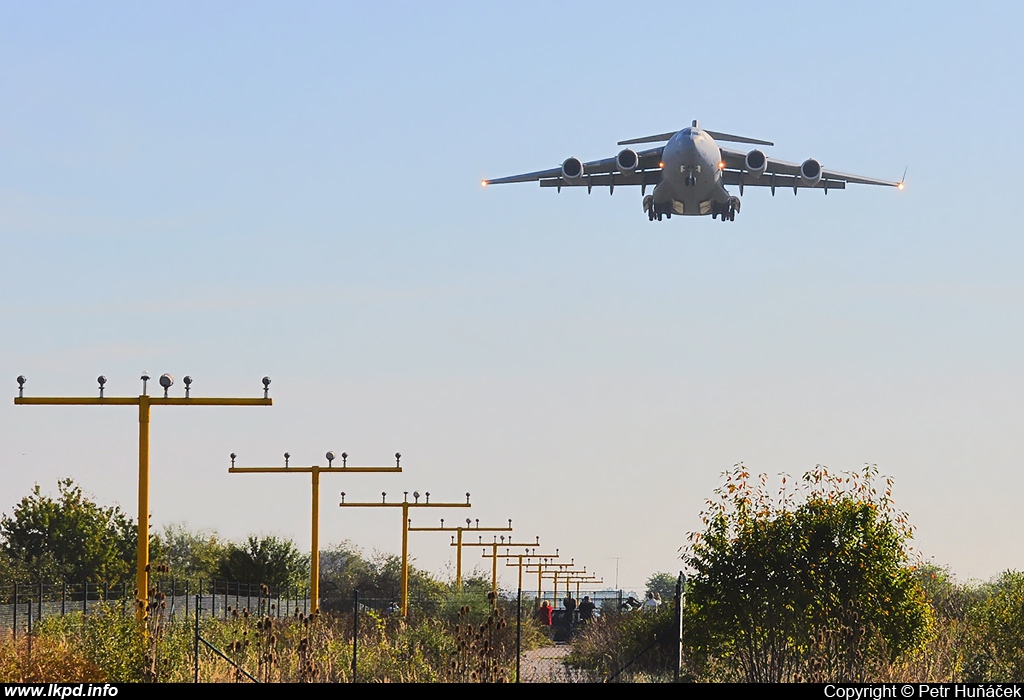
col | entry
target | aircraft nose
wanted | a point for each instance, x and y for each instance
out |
(688, 149)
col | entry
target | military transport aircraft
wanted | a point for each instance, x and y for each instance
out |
(690, 172)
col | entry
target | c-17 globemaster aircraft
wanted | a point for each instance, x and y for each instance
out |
(690, 172)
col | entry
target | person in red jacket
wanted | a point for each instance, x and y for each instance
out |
(544, 614)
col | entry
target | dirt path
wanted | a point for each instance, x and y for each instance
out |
(547, 665)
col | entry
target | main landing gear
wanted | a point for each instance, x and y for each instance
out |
(727, 211)
(654, 211)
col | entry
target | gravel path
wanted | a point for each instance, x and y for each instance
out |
(547, 665)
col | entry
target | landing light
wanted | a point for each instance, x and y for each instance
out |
(899, 186)
(483, 183)
(721, 165)
(661, 165)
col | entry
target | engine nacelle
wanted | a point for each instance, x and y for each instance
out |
(572, 168)
(756, 162)
(627, 160)
(810, 172)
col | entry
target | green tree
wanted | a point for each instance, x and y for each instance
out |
(70, 537)
(809, 586)
(998, 623)
(344, 569)
(268, 560)
(664, 584)
(193, 555)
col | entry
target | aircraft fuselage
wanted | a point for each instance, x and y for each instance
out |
(691, 177)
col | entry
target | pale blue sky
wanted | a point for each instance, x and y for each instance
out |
(234, 190)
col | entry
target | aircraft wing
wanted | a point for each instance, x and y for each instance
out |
(596, 173)
(779, 173)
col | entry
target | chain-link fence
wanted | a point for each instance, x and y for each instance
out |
(23, 605)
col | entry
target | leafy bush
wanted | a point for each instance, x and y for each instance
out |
(811, 586)
(639, 644)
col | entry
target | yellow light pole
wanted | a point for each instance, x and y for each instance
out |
(459, 530)
(405, 506)
(541, 567)
(559, 573)
(494, 551)
(530, 554)
(144, 402)
(315, 471)
(589, 578)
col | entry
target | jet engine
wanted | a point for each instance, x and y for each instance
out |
(572, 169)
(810, 172)
(626, 161)
(756, 162)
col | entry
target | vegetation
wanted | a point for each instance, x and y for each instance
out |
(814, 582)
(108, 645)
(69, 538)
(664, 584)
(809, 586)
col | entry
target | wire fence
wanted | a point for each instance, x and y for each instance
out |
(22, 606)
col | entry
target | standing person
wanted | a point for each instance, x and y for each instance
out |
(652, 603)
(586, 610)
(544, 614)
(570, 611)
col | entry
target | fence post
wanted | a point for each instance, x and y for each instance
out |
(679, 626)
(186, 599)
(15, 624)
(248, 596)
(355, 635)
(519, 630)
(195, 643)
(40, 608)
(63, 598)
(227, 585)
(213, 598)
(85, 597)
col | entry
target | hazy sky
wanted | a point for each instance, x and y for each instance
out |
(229, 190)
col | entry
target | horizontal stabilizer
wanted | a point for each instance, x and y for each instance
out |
(719, 136)
(650, 139)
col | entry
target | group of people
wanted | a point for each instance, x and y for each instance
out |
(572, 613)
